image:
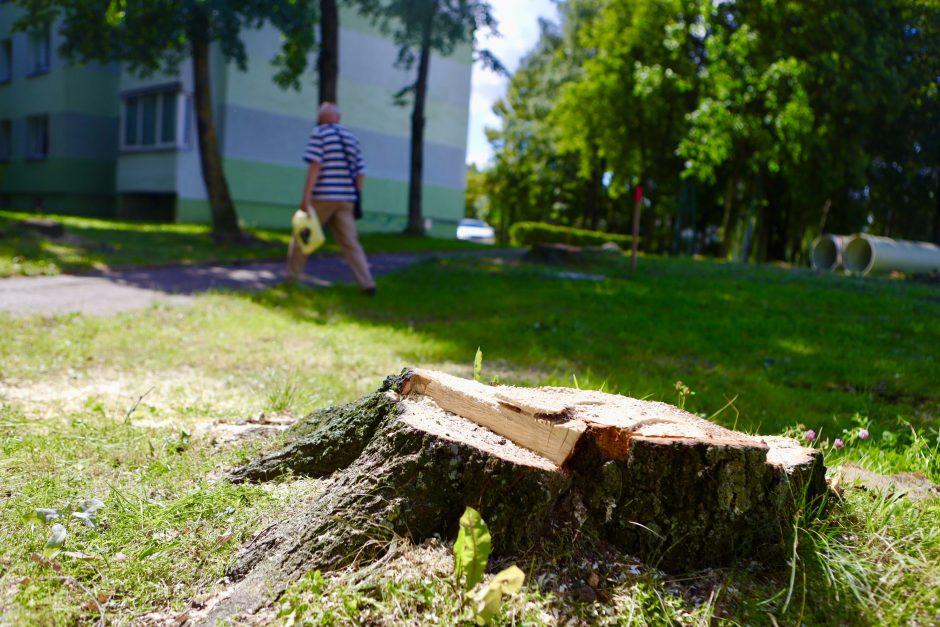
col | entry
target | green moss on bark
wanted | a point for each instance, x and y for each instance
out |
(327, 440)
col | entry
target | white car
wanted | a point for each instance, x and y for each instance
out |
(476, 231)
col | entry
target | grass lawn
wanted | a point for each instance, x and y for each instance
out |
(766, 349)
(96, 244)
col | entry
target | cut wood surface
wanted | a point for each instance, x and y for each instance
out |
(541, 465)
(537, 422)
(551, 421)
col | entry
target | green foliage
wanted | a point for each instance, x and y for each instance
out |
(645, 79)
(476, 200)
(471, 549)
(530, 233)
(532, 177)
(478, 365)
(505, 583)
(753, 126)
(53, 546)
(155, 35)
(684, 393)
(286, 392)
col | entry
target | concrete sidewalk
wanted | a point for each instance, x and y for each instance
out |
(123, 290)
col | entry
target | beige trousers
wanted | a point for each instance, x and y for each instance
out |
(338, 216)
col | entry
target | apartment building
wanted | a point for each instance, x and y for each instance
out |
(98, 140)
(58, 126)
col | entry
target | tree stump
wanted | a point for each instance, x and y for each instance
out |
(648, 478)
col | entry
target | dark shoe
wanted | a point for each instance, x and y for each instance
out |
(369, 291)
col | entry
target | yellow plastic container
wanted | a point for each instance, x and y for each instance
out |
(307, 230)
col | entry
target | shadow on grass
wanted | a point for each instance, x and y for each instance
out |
(323, 270)
(787, 347)
(95, 244)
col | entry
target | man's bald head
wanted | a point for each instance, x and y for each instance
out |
(329, 113)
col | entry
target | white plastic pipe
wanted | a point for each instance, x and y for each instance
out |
(869, 253)
(826, 252)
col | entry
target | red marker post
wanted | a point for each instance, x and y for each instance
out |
(637, 204)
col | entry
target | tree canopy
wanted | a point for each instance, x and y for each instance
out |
(155, 35)
(752, 125)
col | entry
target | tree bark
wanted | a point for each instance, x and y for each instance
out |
(415, 217)
(635, 231)
(328, 59)
(592, 211)
(727, 218)
(824, 215)
(646, 478)
(936, 214)
(224, 218)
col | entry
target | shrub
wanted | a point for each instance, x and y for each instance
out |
(530, 233)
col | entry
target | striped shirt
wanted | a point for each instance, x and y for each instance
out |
(335, 149)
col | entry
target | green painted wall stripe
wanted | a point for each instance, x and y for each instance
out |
(8, 16)
(365, 107)
(372, 108)
(69, 204)
(384, 200)
(73, 89)
(270, 217)
(264, 183)
(58, 176)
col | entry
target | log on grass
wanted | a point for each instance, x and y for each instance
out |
(646, 477)
(567, 255)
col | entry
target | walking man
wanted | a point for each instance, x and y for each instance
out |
(335, 175)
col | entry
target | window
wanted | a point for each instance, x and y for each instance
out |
(6, 60)
(151, 119)
(6, 140)
(37, 137)
(39, 52)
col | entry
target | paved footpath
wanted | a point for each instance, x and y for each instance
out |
(123, 290)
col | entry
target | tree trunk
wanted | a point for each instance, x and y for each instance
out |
(415, 218)
(936, 214)
(646, 478)
(635, 231)
(727, 218)
(592, 210)
(504, 224)
(887, 228)
(328, 60)
(824, 217)
(224, 218)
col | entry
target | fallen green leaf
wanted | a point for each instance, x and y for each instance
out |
(42, 515)
(506, 582)
(56, 540)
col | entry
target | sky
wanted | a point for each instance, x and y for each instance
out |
(519, 30)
